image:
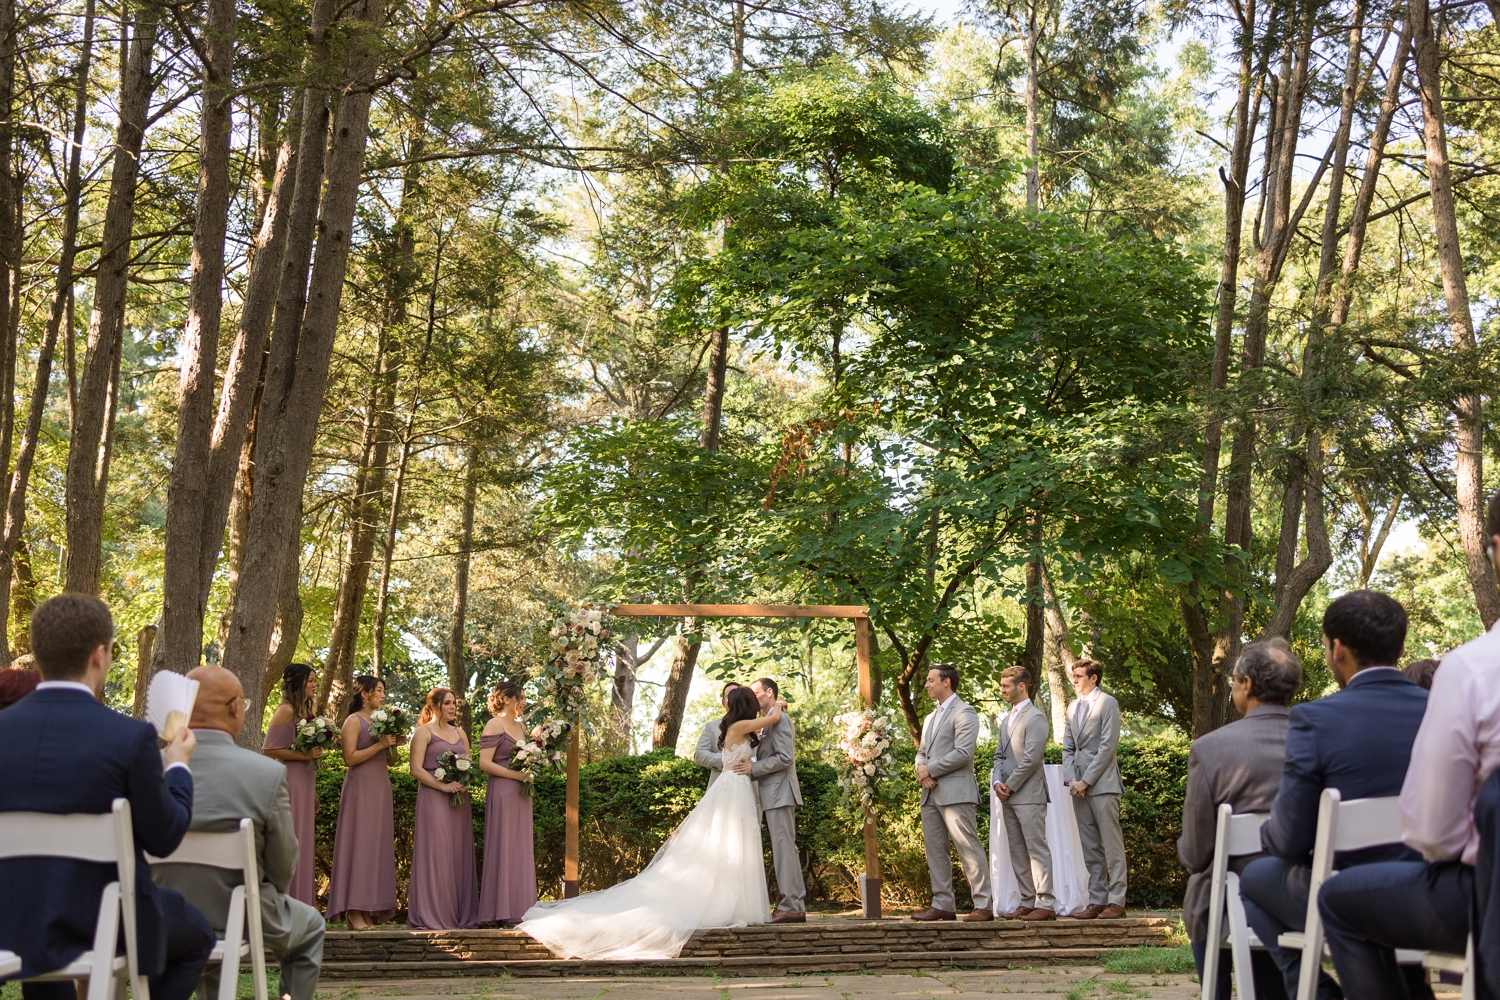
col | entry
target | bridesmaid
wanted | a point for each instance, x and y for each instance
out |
(508, 888)
(444, 892)
(299, 690)
(362, 887)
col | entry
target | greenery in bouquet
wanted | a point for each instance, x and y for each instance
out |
(864, 759)
(391, 720)
(541, 752)
(573, 663)
(317, 733)
(458, 767)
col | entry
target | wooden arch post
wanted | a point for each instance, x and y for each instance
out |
(869, 695)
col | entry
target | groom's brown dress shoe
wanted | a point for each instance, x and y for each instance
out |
(934, 914)
(979, 915)
(1015, 914)
(1039, 914)
(788, 917)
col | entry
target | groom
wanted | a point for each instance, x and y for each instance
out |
(774, 771)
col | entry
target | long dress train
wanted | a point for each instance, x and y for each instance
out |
(709, 873)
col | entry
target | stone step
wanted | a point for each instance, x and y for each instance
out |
(834, 945)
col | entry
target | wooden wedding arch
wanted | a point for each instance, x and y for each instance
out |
(868, 694)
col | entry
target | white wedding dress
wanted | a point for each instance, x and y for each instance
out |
(709, 873)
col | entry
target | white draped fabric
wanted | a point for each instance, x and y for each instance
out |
(1070, 879)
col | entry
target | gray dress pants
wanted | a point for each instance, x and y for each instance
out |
(298, 947)
(1030, 855)
(942, 825)
(1103, 845)
(781, 824)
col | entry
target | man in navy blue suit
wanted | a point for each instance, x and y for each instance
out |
(1357, 740)
(67, 753)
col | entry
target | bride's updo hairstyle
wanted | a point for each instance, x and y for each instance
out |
(741, 706)
(432, 708)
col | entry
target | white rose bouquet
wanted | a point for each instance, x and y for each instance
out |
(540, 753)
(392, 721)
(317, 733)
(574, 662)
(865, 760)
(459, 767)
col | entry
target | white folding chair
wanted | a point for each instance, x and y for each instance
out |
(10, 963)
(1461, 964)
(106, 839)
(1234, 837)
(1342, 826)
(242, 931)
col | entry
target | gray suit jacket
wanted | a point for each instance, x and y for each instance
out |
(231, 783)
(1089, 750)
(947, 751)
(1240, 764)
(1020, 753)
(775, 767)
(707, 753)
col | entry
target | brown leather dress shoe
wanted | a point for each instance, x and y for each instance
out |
(931, 914)
(1040, 914)
(979, 915)
(1089, 912)
(1015, 914)
(1114, 911)
(788, 917)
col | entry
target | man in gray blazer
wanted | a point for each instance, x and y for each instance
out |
(232, 783)
(707, 753)
(1021, 785)
(1239, 765)
(950, 795)
(774, 771)
(1092, 774)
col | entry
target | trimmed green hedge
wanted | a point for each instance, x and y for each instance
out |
(629, 805)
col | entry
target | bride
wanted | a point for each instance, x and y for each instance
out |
(709, 873)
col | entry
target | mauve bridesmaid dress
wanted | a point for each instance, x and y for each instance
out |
(508, 888)
(364, 848)
(444, 891)
(303, 790)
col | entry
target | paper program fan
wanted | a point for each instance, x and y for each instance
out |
(169, 702)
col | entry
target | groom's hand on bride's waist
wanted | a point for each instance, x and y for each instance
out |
(741, 767)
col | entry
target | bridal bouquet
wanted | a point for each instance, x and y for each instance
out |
(393, 721)
(317, 733)
(865, 762)
(574, 662)
(540, 753)
(459, 767)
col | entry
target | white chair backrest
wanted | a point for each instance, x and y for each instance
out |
(1243, 835)
(216, 850)
(80, 836)
(1368, 823)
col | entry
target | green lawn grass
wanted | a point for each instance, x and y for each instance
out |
(1150, 961)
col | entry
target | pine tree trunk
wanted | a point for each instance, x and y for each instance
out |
(283, 641)
(668, 725)
(92, 428)
(1468, 406)
(1059, 660)
(456, 653)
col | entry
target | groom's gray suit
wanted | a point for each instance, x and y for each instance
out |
(775, 773)
(949, 737)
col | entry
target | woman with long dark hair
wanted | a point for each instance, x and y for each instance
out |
(299, 692)
(709, 873)
(444, 891)
(507, 888)
(362, 884)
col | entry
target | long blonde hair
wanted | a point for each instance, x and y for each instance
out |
(432, 708)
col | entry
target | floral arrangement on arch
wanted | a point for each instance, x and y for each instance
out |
(865, 762)
(574, 663)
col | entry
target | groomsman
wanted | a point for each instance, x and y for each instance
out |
(1092, 774)
(950, 795)
(774, 771)
(1021, 784)
(707, 753)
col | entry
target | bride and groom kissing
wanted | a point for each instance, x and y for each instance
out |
(710, 872)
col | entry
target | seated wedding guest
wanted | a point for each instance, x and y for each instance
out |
(444, 891)
(16, 683)
(1425, 903)
(1238, 765)
(950, 797)
(1091, 773)
(67, 753)
(508, 887)
(1021, 784)
(1357, 740)
(707, 753)
(1421, 672)
(362, 879)
(232, 784)
(299, 693)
